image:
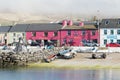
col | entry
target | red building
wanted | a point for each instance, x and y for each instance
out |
(77, 33)
(65, 33)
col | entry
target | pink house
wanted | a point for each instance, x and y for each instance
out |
(77, 34)
(66, 33)
(44, 33)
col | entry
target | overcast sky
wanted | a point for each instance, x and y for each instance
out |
(106, 7)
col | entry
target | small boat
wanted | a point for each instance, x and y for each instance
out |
(50, 58)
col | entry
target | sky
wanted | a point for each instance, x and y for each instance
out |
(98, 7)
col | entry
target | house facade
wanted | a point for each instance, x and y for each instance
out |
(43, 33)
(109, 31)
(17, 31)
(79, 33)
(4, 34)
(65, 33)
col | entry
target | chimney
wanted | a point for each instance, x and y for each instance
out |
(70, 23)
(81, 24)
(64, 23)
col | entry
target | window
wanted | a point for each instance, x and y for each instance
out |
(118, 31)
(83, 32)
(111, 32)
(5, 34)
(69, 33)
(45, 34)
(105, 32)
(106, 22)
(111, 41)
(64, 41)
(118, 21)
(13, 39)
(75, 33)
(55, 34)
(93, 33)
(118, 41)
(23, 34)
(14, 34)
(33, 34)
(105, 41)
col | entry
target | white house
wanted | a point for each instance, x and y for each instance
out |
(109, 31)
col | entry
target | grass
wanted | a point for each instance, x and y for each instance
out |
(51, 65)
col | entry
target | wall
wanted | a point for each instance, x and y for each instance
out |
(76, 36)
(108, 36)
(2, 37)
(11, 38)
(40, 36)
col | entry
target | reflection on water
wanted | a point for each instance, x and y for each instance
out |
(56, 74)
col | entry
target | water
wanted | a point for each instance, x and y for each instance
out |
(58, 74)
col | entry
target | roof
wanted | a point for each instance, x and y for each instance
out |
(111, 23)
(5, 28)
(44, 27)
(19, 28)
(86, 23)
(80, 27)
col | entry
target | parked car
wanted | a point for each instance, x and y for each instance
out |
(99, 56)
(35, 44)
(67, 53)
(113, 45)
(90, 44)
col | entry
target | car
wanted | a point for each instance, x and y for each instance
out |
(99, 56)
(67, 53)
(90, 44)
(35, 44)
(112, 45)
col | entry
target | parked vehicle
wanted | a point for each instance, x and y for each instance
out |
(35, 44)
(90, 44)
(99, 56)
(113, 45)
(67, 54)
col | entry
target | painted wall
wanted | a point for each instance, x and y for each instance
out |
(2, 37)
(40, 36)
(108, 36)
(75, 39)
(14, 36)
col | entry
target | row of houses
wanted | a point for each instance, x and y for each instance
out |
(63, 33)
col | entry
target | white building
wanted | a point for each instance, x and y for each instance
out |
(109, 31)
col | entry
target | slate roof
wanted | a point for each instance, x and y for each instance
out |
(112, 23)
(19, 28)
(4, 29)
(86, 23)
(80, 27)
(44, 27)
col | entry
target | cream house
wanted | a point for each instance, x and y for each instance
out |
(17, 31)
(3, 34)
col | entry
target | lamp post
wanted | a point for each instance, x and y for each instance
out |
(98, 26)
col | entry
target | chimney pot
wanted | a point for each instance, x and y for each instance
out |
(70, 23)
(81, 24)
(64, 23)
